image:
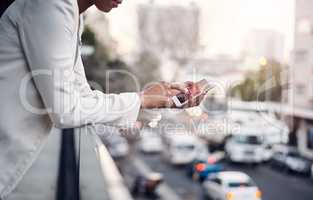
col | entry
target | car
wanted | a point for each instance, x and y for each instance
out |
(289, 159)
(273, 130)
(150, 142)
(245, 148)
(230, 185)
(117, 146)
(201, 169)
(262, 123)
(267, 152)
(182, 149)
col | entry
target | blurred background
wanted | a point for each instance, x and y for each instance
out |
(251, 138)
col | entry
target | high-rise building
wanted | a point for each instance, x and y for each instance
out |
(260, 44)
(169, 29)
(301, 75)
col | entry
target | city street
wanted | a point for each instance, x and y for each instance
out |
(273, 184)
(156, 100)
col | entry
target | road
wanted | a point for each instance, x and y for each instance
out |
(278, 185)
(275, 185)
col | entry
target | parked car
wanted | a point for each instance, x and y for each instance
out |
(182, 149)
(150, 142)
(290, 160)
(267, 152)
(245, 148)
(265, 124)
(117, 146)
(230, 186)
(201, 169)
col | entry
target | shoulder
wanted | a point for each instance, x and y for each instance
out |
(64, 12)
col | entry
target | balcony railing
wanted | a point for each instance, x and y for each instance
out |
(115, 187)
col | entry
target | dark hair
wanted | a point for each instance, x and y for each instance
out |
(4, 5)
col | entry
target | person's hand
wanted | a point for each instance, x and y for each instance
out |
(194, 94)
(158, 95)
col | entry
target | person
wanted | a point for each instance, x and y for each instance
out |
(43, 83)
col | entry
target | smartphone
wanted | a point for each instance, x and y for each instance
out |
(183, 98)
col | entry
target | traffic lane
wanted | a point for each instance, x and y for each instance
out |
(129, 173)
(174, 176)
(133, 166)
(275, 184)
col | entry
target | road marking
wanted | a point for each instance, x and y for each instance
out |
(164, 190)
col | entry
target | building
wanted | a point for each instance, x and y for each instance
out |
(301, 77)
(302, 70)
(259, 44)
(169, 29)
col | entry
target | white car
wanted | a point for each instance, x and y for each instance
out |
(117, 146)
(230, 186)
(268, 152)
(183, 149)
(150, 142)
(245, 148)
(273, 130)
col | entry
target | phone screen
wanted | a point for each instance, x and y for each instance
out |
(182, 98)
(202, 88)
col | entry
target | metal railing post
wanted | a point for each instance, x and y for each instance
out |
(114, 182)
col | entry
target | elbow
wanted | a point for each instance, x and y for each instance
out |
(61, 125)
(64, 121)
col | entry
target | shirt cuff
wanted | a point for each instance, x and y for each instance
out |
(132, 102)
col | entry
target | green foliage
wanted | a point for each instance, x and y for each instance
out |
(88, 37)
(262, 85)
(98, 65)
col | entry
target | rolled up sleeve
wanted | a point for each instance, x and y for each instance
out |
(49, 40)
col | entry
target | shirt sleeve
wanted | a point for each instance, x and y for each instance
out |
(48, 34)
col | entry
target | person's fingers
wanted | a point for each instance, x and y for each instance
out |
(174, 92)
(194, 101)
(156, 101)
(169, 103)
(165, 84)
(181, 87)
(164, 102)
(193, 87)
(116, 2)
(166, 88)
(188, 83)
(160, 95)
(139, 124)
(200, 99)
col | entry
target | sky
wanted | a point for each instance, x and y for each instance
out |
(223, 23)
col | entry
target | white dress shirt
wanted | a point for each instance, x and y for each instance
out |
(43, 83)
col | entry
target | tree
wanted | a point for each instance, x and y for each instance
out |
(88, 37)
(262, 85)
(98, 64)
